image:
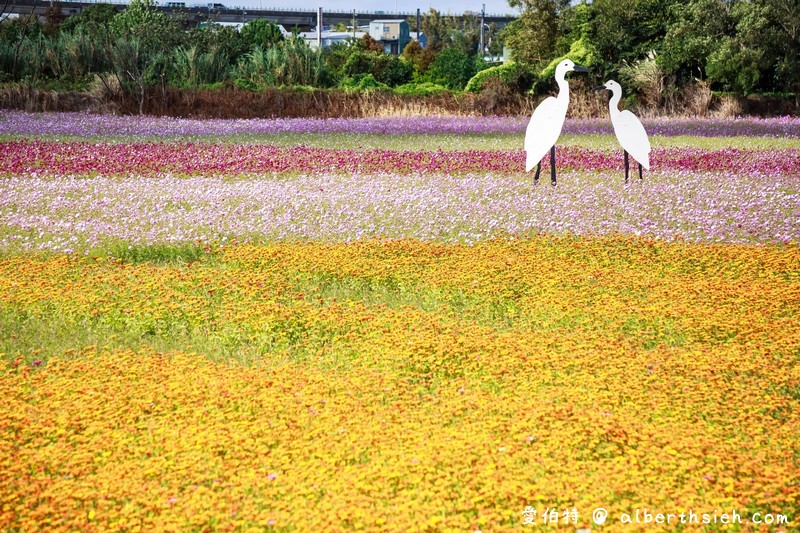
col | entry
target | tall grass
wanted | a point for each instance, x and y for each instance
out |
(193, 68)
(287, 63)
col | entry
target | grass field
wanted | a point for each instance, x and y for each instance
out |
(189, 343)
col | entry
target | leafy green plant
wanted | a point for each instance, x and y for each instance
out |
(362, 82)
(581, 52)
(288, 63)
(419, 89)
(452, 68)
(514, 75)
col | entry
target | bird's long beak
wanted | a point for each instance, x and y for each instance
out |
(579, 68)
(599, 88)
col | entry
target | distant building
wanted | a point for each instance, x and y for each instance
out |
(394, 35)
(329, 38)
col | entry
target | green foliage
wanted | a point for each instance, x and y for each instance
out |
(368, 44)
(287, 63)
(419, 89)
(16, 29)
(582, 52)
(155, 30)
(740, 46)
(75, 56)
(627, 30)
(7, 69)
(192, 68)
(363, 82)
(452, 68)
(93, 19)
(513, 75)
(260, 32)
(247, 84)
(437, 28)
(218, 39)
(695, 36)
(386, 69)
(158, 253)
(336, 56)
(533, 37)
(573, 24)
(419, 58)
(734, 66)
(465, 35)
(774, 25)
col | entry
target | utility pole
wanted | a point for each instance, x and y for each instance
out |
(319, 28)
(418, 29)
(354, 24)
(483, 16)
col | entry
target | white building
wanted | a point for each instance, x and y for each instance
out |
(329, 38)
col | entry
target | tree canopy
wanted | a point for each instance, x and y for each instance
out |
(739, 46)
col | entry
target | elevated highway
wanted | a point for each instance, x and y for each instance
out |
(195, 13)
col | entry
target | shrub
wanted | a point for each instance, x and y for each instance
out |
(515, 76)
(386, 69)
(363, 82)
(246, 84)
(581, 52)
(453, 68)
(419, 89)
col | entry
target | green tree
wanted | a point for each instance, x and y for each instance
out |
(154, 30)
(335, 57)
(534, 35)
(452, 69)
(437, 28)
(143, 39)
(628, 30)
(94, 19)
(385, 68)
(260, 32)
(698, 32)
(368, 44)
(219, 40)
(24, 55)
(415, 55)
(736, 67)
(465, 35)
(783, 34)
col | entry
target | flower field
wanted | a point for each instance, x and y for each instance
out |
(210, 326)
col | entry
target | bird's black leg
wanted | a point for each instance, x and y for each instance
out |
(640, 171)
(626, 166)
(553, 165)
(538, 169)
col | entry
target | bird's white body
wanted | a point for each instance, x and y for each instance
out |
(547, 120)
(629, 131)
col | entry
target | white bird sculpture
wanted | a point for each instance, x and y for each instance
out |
(546, 122)
(629, 131)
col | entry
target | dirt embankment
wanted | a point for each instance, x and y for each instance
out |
(232, 102)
